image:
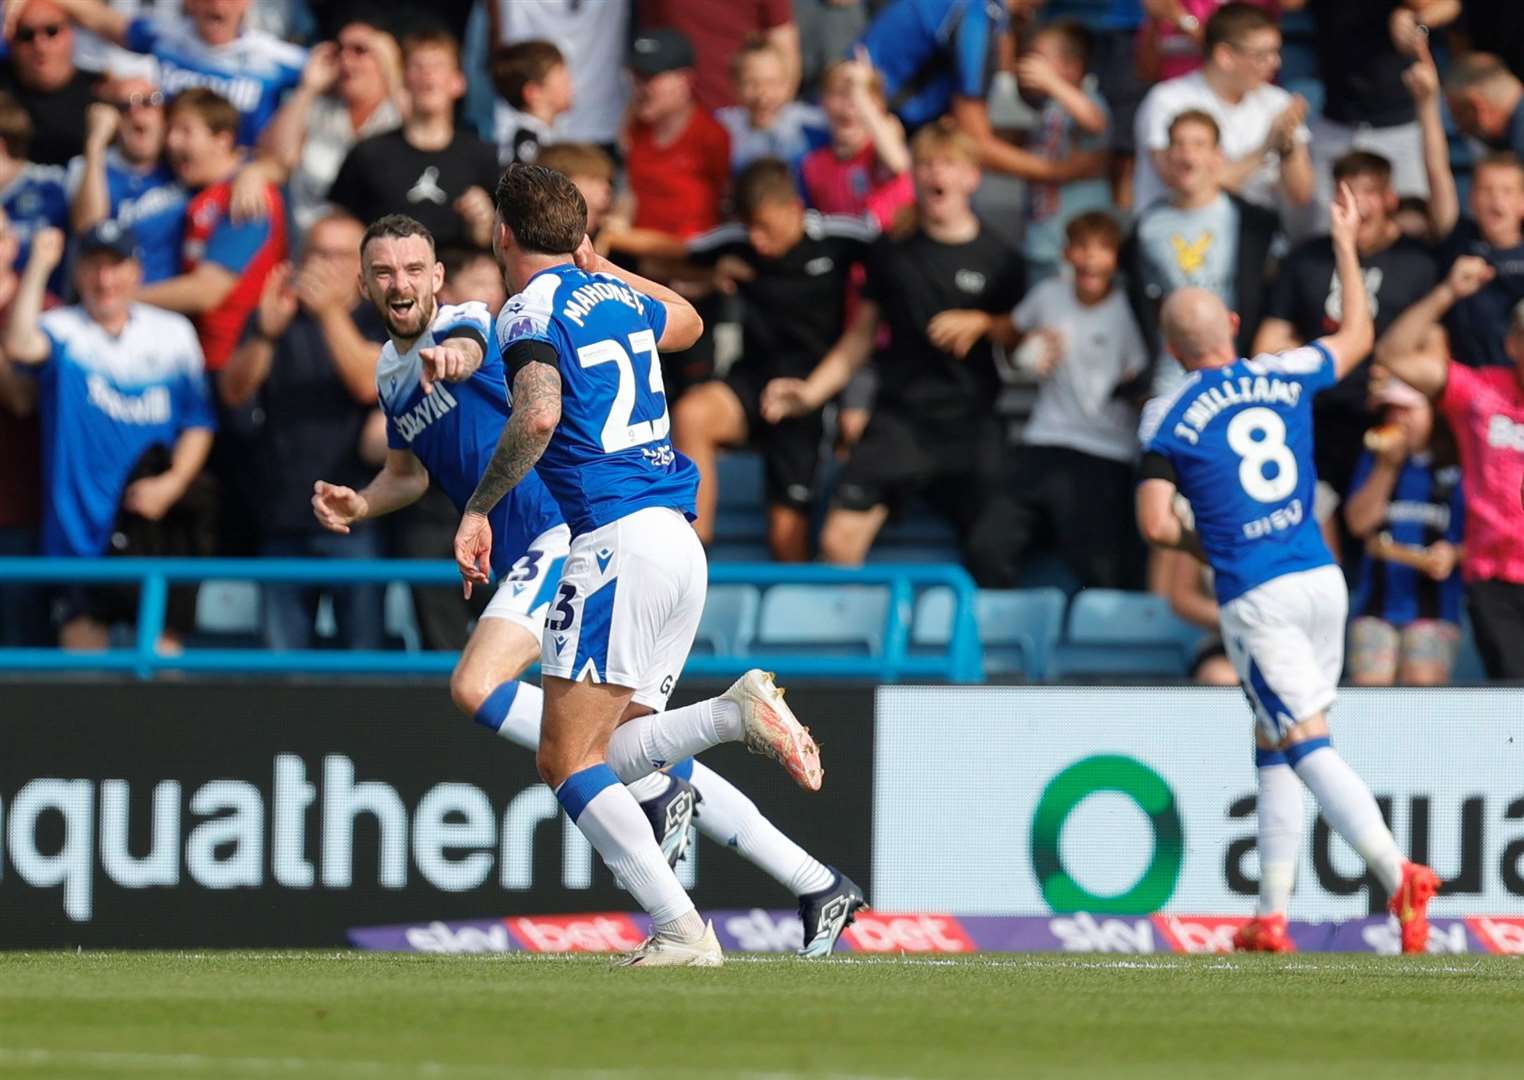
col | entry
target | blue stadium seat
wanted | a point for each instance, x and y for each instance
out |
(1112, 632)
(830, 620)
(741, 515)
(228, 608)
(730, 620)
(1468, 662)
(1018, 628)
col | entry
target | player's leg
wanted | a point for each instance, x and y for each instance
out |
(1428, 651)
(704, 420)
(1373, 651)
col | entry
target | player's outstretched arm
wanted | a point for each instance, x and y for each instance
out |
(455, 359)
(1414, 347)
(1357, 333)
(401, 482)
(684, 325)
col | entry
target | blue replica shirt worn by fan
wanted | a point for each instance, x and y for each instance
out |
(105, 401)
(931, 51)
(253, 71)
(35, 200)
(610, 455)
(151, 203)
(1239, 439)
(1426, 506)
(454, 431)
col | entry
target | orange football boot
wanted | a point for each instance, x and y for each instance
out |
(1264, 933)
(1411, 905)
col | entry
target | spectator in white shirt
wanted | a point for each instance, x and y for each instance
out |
(767, 123)
(1264, 138)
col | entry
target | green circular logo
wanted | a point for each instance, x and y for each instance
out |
(1127, 776)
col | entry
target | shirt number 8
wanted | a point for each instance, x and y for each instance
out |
(1258, 437)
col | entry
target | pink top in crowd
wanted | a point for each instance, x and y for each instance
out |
(1178, 52)
(1485, 408)
(855, 185)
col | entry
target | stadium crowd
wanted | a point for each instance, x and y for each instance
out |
(930, 239)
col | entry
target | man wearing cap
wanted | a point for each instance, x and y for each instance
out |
(1485, 408)
(127, 423)
(678, 155)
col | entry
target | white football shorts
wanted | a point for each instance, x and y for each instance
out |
(1286, 640)
(628, 605)
(523, 595)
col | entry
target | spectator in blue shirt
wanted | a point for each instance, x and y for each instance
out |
(32, 195)
(122, 176)
(127, 418)
(209, 47)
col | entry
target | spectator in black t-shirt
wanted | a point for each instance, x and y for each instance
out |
(1477, 325)
(427, 168)
(791, 268)
(1363, 47)
(41, 75)
(1305, 303)
(308, 358)
(933, 433)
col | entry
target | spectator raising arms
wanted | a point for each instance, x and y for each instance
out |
(768, 123)
(866, 167)
(40, 74)
(224, 262)
(1305, 303)
(1200, 236)
(122, 176)
(209, 47)
(437, 173)
(1405, 503)
(128, 423)
(1485, 409)
(308, 355)
(1264, 139)
(933, 432)
(351, 89)
(536, 87)
(791, 269)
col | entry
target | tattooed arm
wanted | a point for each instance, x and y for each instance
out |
(536, 412)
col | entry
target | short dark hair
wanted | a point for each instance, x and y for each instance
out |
(1095, 225)
(217, 112)
(397, 226)
(766, 180)
(521, 64)
(1197, 116)
(543, 208)
(1076, 40)
(430, 37)
(1231, 23)
(1362, 163)
(16, 128)
(1499, 159)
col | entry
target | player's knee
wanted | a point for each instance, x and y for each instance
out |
(467, 689)
(552, 765)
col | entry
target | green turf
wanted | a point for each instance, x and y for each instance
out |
(363, 1015)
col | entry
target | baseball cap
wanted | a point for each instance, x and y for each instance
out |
(658, 51)
(109, 237)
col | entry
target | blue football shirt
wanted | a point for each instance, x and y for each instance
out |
(611, 455)
(930, 51)
(1240, 441)
(105, 401)
(454, 431)
(151, 203)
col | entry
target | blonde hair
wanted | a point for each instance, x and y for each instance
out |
(944, 137)
(840, 72)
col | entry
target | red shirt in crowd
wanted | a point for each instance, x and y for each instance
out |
(716, 29)
(856, 185)
(679, 188)
(1485, 407)
(250, 249)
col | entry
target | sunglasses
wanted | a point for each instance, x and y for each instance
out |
(27, 34)
(154, 99)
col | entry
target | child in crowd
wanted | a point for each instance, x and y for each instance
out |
(591, 169)
(768, 122)
(1072, 479)
(1405, 503)
(866, 167)
(1072, 124)
(536, 87)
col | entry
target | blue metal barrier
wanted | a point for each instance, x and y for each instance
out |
(961, 662)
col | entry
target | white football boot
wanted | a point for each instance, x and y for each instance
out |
(658, 951)
(772, 729)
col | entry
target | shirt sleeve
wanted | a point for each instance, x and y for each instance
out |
(195, 390)
(1151, 128)
(772, 14)
(974, 51)
(234, 245)
(469, 320)
(655, 314)
(394, 439)
(1008, 287)
(1027, 315)
(142, 35)
(1312, 365)
(1461, 385)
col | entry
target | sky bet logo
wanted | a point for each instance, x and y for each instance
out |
(73, 835)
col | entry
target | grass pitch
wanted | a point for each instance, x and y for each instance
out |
(351, 1015)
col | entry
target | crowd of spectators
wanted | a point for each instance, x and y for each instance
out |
(930, 239)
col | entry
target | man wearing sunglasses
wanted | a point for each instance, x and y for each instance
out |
(122, 175)
(41, 75)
